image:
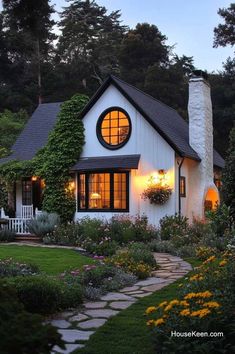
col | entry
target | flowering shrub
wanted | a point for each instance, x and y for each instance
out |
(157, 193)
(105, 246)
(137, 260)
(11, 268)
(205, 304)
(97, 280)
(203, 252)
(102, 237)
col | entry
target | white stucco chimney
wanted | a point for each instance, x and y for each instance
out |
(201, 138)
(200, 122)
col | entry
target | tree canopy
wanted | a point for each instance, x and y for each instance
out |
(225, 33)
(37, 65)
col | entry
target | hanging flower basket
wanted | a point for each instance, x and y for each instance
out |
(157, 193)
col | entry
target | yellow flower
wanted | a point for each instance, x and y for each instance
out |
(185, 312)
(150, 309)
(211, 304)
(196, 295)
(168, 308)
(206, 294)
(210, 259)
(184, 303)
(222, 263)
(190, 296)
(150, 322)
(196, 277)
(200, 313)
(174, 302)
(159, 321)
(164, 303)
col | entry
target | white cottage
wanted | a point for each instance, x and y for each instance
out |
(132, 138)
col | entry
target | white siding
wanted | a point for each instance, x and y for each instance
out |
(144, 140)
(18, 198)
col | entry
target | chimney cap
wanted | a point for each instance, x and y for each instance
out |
(199, 73)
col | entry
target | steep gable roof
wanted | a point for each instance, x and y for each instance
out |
(169, 124)
(35, 133)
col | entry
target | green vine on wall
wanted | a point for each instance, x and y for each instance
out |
(63, 149)
(53, 162)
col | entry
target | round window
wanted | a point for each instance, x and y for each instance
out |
(114, 128)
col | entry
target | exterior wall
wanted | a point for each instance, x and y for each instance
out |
(18, 198)
(144, 140)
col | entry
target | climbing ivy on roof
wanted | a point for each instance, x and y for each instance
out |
(53, 162)
(63, 149)
(14, 170)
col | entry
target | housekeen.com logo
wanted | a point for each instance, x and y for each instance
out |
(196, 334)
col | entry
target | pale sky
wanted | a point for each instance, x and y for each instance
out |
(188, 24)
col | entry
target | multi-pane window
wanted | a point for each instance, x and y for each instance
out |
(103, 191)
(114, 128)
(182, 186)
(27, 192)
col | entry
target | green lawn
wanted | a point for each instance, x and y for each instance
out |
(127, 332)
(49, 260)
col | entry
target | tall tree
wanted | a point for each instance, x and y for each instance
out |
(142, 48)
(28, 26)
(228, 189)
(223, 100)
(225, 33)
(89, 41)
(169, 83)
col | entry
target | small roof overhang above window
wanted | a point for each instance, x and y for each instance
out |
(121, 162)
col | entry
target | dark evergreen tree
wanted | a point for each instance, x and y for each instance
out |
(223, 100)
(88, 44)
(142, 48)
(169, 83)
(228, 189)
(225, 33)
(28, 28)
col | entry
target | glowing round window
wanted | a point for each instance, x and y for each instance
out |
(114, 128)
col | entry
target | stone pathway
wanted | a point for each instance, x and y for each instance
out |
(77, 327)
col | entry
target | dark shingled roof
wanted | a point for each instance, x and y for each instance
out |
(35, 134)
(170, 125)
(105, 162)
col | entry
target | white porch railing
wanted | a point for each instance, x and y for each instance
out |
(26, 211)
(19, 225)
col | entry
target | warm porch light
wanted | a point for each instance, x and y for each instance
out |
(34, 178)
(71, 186)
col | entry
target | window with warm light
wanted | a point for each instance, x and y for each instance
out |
(105, 191)
(27, 191)
(182, 186)
(114, 128)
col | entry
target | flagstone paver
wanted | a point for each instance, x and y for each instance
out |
(101, 313)
(95, 305)
(74, 335)
(95, 323)
(121, 305)
(94, 314)
(116, 296)
(69, 348)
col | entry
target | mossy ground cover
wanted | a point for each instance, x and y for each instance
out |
(49, 260)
